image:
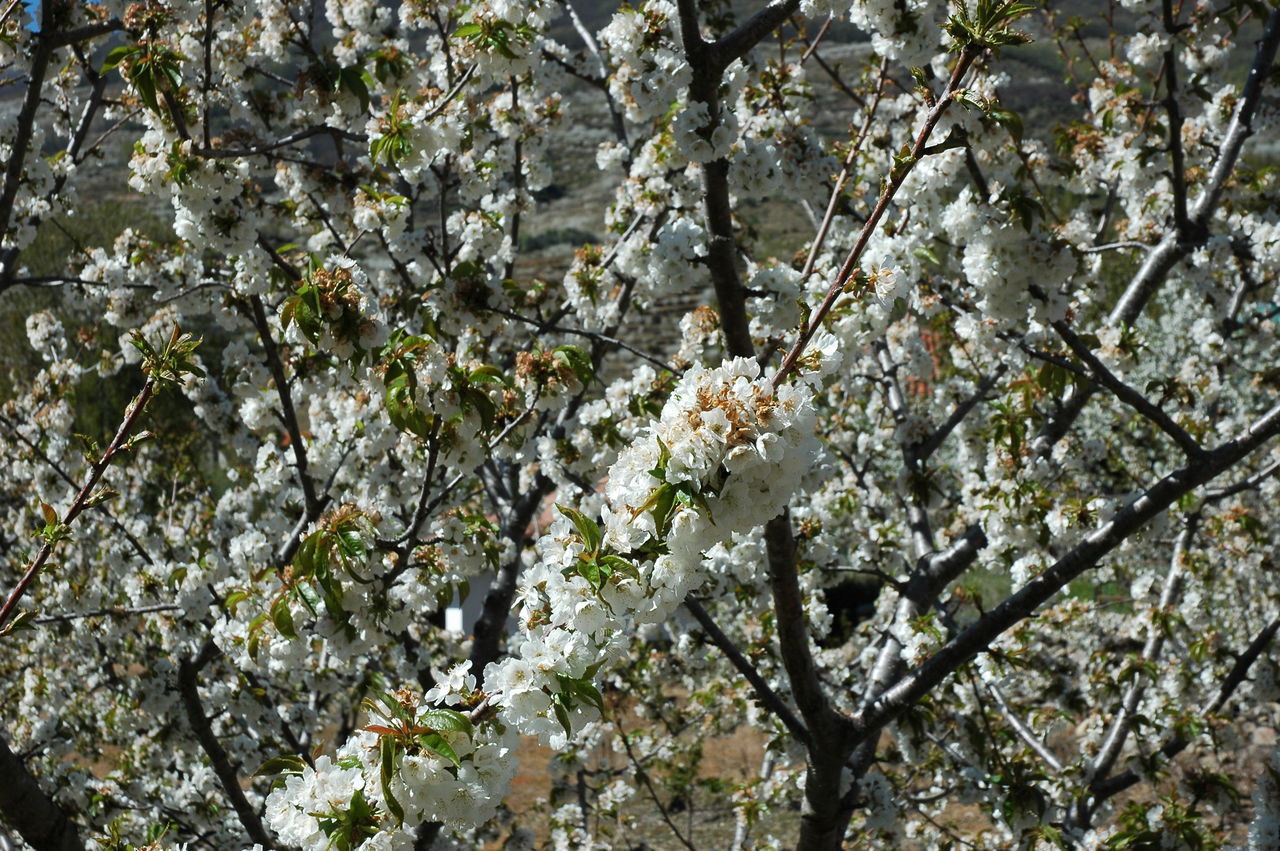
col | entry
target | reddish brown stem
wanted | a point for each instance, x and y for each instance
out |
(896, 179)
(82, 498)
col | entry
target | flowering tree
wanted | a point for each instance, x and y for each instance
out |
(1015, 390)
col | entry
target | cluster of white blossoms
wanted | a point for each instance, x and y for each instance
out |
(727, 452)
(731, 446)
(651, 73)
(690, 125)
(380, 429)
(425, 763)
(45, 333)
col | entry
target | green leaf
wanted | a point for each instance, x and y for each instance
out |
(590, 571)
(284, 764)
(354, 79)
(331, 595)
(282, 618)
(588, 692)
(562, 714)
(967, 99)
(310, 556)
(480, 402)
(1008, 119)
(588, 530)
(439, 718)
(488, 374)
(577, 360)
(436, 743)
(387, 767)
(902, 163)
(664, 456)
(403, 410)
(21, 622)
(255, 635)
(617, 564)
(927, 254)
(119, 55)
(351, 545)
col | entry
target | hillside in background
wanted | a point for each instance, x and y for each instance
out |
(1041, 79)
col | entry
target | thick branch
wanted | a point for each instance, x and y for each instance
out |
(491, 625)
(210, 152)
(1177, 161)
(86, 32)
(25, 124)
(793, 628)
(737, 43)
(36, 816)
(1083, 556)
(767, 696)
(188, 670)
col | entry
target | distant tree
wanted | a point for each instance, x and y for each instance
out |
(966, 503)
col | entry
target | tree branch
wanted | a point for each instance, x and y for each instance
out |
(1173, 247)
(930, 444)
(1174, 111)
(1166, 254)
(1127, 394)
(1104, 789)
(766, 695)
(736, 44)
(897, 175)
(1113, 744)
(491, 625)
(24, 124)
(188, 670)
(310, 496)
(1085, 555)
(82, 498)
(86, 32)
(37, 817)
(1024, 732)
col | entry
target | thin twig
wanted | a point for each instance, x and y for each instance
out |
(81, 501)
(896, 178)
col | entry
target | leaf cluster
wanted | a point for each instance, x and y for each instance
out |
(170, 361)
(571, 692)
(326, 299)
(409, 731)
(393, 145)
(151, 67)
(495, 35)
(987, 26)
(593, 563)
